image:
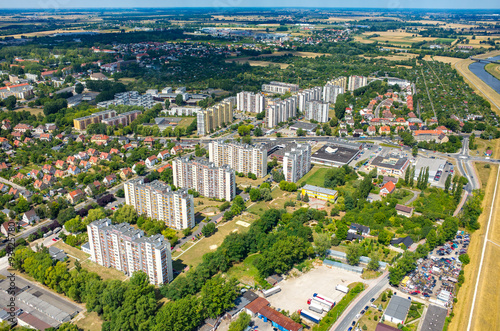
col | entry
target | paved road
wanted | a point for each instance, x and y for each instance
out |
(384, 102)
(347, 318)
(25, 234)
(8, 182)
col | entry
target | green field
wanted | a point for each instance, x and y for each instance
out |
(316, 176)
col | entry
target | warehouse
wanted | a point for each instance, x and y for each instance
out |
(434, 318)
(435, 166)
(397, 309)
(310, 128)
(335, 155)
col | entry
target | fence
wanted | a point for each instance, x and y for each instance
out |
(344, 266)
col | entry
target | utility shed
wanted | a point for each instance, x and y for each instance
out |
(397, 309)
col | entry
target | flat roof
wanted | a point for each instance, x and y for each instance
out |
(434, 318)
(385, 161)
(433, 164)
(319, 189)
(398, 307)
(304, 126)
(335, 153)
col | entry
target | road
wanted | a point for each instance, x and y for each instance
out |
(350, 315)
(384, 103)
(8, 182)
(25, 234)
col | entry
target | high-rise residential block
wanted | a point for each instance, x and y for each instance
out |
(211, 119)
(205, 178)
(317, 110)
(279, 87)
(331, 92)
(122, 247)
(339, 81)
(280, 111)
(251, 102)
(297, 162)
(242, 158)
(356, 82)
(308, 95)
(159, 202)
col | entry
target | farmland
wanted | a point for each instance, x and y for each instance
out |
(493, 69)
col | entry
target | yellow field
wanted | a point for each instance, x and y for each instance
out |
(91, 322)
(477, 84)
(43, 33)
(493, 69)
(33, 111)
(356, 18)
(444, 59)
(397, 57)
(487, 300)
(399, 36)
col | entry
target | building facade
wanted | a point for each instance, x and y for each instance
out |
(205, 178)
(339, 81)
(130, 98)
(83, 122)
(122, 247)
(279, 87)
(331, 92)
(251, 102)
(242, 158)
(183, 111)
(308, 95)
(158, 201)
(280, 111)
(297, 162)
(356, 82)
(317, 110)
(211, 119)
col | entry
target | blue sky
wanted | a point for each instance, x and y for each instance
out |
(385, 4)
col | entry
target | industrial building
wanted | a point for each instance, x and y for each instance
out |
(397, 309)
(251, 102)
(297, 162)
(241, 157)
(336, 155)
(320, 193)
(317, 111)
(434, 318)
(125, 248)
(159, 202)
(279, 87)
(310, 128)
(205, 178)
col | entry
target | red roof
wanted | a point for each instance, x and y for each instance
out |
(389, 186)
(280, 319)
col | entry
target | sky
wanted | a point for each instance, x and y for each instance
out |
(385, 4)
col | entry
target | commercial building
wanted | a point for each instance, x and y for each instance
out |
(183, 111)
(434, 318)
(306, 96)
(320, 193)
(122, 247)
(336, 155)
(159, 202)
(391, 164)
(280, 111)
(331, 92)
(397, 309)
(297, 162)
(251, 102)
(435, 166)
(356, 82)
(317, 111)
(279, 87)
(310, 128)
(211, 119)
(130, 98)
(205, 178)
(241, 157)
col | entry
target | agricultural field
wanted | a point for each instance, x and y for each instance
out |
(493, 69)
(398, 37)
(444, 59)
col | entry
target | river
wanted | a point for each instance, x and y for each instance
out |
(478, 69)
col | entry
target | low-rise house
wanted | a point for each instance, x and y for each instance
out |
(48, 179)
(39, 129)
(85, 165)
(135, 165)
(17, 135)
(127, 147)
(21, 127)
(92, 152)
(388, 188)
(358, 228)
(8, 228)
(384, 129)
(60, 164)
(149, 141)
(404, 210)
(371, 130)
(343, 132)
(3, 166)
(109, 180)
(75, 196)
(39, 184)
(163, 168)
(100, 139)
(3, 188)
(176, 150)
(83, 156)
(45, 137)
(26, 194)
(48, 169)
(105, 156)
(19, 176)
(73, 170)
(14, 192)
(30, 217)
(60, 173)
(71, 160)
(151, 161)
(163, 155)
(113, 151)
(407, 241)
(35, 174)
(94, 160)
(126, 173)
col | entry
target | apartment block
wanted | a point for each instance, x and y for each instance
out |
(83, 122)
(183, 111)
(308, 95)
(279, 87)
(211, 119)
(130, 98)
(356, 82)
(339, 81)
(297, 162)
(280, 111)
(317, 110)
(331, 92)
(251, 102)
(205, 178)
(123, 119)
(159, 202)
(122, 247)
(20, 91)
(241, 157)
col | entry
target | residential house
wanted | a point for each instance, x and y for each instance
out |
(138, 163)
(92, 152)
(94, 160)
(358, 228)
(39, 184)
(80, 138)
(14, 192)
(73, 170)
(388, 188)
(3, 166)
(48, 169)
(3, 188)
(105, 156)
(149, 141)
(357, 133)
(343, 132)
(30, 217)
(109, 180)
(128, 147)
(151, 161)
(21, 127)
(163, 168)
(176, 150)
(17, 136)
(39, 129)
(404, 210)
(126, 173)
(384, 130)
(26, 194)
(83, 156)
(50, 127)
(19, 176)
(75, 196)
(100, 139)
(113, 151)
(4, 228)
(85, 165)
(163, 154)
(60, 173)
(48, 179)
(372, 130)
(60, 164)
(407, 241)
(71, 160)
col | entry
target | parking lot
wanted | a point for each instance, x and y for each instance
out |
(296, 291)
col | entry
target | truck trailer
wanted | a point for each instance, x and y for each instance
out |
(342, 288)
(316, 307)
(324, 304)
(325, 298)
(310, 316)
(271, 291)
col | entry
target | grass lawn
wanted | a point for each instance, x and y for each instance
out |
(316, 176)
(483, 172)
(368, 318)
(494, 69)
(406, 198)
(202, 203)
(33, 111)
(103, 272)
(29, 167)
(71, 251)
(91, 322)
(278, 202)
(246, 272)
(184, 123)
(482, 146)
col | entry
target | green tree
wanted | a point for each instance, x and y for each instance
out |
(464, 258)
(241, 322)
(322, 243)
(179, 100)
(120, 193)
(10, 102)
(353, 254)
(255, 194)
(306, 198)
(126, 214)
(340, 106)
(373, 264)
(167, 103)
(414, 151)
(217, 295)
(432, 239)
(265, 194)
(208, 229)
(140, 169)
(447, 183)
(79, 88)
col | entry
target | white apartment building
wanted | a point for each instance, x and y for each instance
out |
(130, 98)
(317, 110)
(308, 95)
(297, 162)
(356, 82)
(211, 119)
(241, 157)
(159, 202)
(279, 87)
(205, 178)
(122, 247)
(339, 81)
(281, 111)
(251, 102)
(331, 92)
(183, 111)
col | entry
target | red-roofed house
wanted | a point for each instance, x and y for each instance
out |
(48, 169)
(176, 150)
(60, 173)
(109, 180)
(75, 195)
(39, 184)
(73, 170)
(384, 129)
(163, 154)
(371, 130)
(105, 156)
(388, 188)
(99, 138)
(94, 160)
(19, 176)
(21, 127)
(151, 161)
(125, 173)
(60, 164)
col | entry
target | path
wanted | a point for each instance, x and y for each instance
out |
(14, 185)
(428, 94)
(416, 194)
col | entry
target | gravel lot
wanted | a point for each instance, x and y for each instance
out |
(296, 291)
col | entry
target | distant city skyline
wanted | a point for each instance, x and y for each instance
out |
(382, 4)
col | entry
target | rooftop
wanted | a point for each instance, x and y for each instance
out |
(434, 318)
(398, 307)
(319, 189)
(335, 153)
